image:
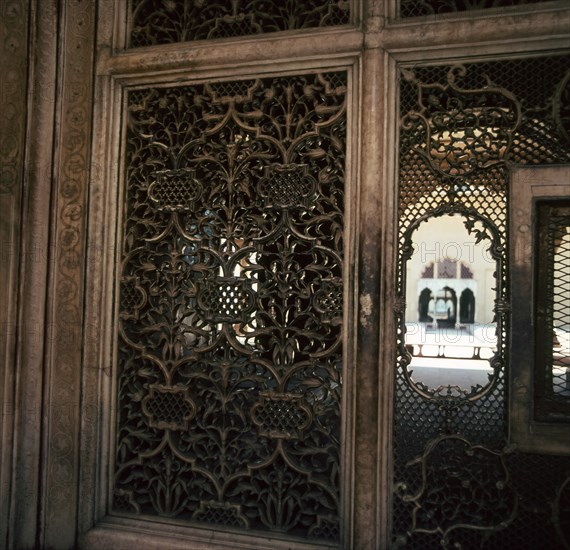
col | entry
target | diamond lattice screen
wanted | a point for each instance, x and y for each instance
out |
(231, 301)
(456, 485)
(419, 8)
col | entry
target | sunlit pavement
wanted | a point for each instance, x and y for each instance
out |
(460, 357)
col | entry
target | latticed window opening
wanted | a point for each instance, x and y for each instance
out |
(447, 269)
(461, 128)
(552, 363)
(168, 21)
(419, 8)
(230, 336)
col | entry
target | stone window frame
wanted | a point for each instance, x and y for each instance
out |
(528, 185)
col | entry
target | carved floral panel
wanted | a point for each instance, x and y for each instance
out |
(230, 318)
(169, 21)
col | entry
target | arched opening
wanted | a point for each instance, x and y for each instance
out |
(467, 306)
(423, 306)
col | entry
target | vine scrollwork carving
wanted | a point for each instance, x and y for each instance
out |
(463, 486)
(165, 22)
(231, 305)
(465, 129)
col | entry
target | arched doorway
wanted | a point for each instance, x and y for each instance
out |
(423, 306)
(467, 306)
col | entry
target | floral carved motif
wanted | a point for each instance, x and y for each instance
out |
(231, 304)
(465, 129)
(463, 486)
(164, 22)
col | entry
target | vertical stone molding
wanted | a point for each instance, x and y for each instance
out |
(67, 257)
(14, 16)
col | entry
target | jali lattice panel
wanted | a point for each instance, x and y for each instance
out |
(456, 483)
(231, 301)
(419, 8)
(165, 22)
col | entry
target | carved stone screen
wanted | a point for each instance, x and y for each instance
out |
(456, 483)
(231, 304)
(419, 8)
(164, 22)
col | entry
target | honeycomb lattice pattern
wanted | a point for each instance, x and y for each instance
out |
(429, 271)
(130, 296)
(447, 269)
(220, 515)
(234, 26)
(537, 480)
(286, 185)
(169, 21)
(337, 15)
(175, 190)
(465, 273)
(233, 89)
(419, 8)
(280, 417)
(560, 291)
(169, 408)
(326, 529)
(536, 133)
(225, 300)
(336, 80)
(332, 301)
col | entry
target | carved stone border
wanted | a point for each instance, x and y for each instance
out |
(64, 318)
